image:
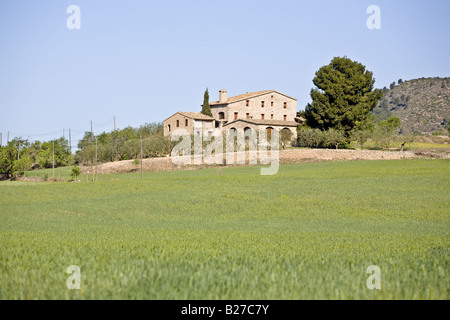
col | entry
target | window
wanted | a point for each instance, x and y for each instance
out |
(271, 97)
(247, 103)
(186, 122)
(178, 123)
(168, 127)
(285, 117)
(247, 115)
(271, 116)
(235, 116)
(262, 104)
(285, 105)
(221, 115)
(262, 116)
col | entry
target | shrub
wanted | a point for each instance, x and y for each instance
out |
(333, 138)
(22, 165)
(361, 136)
(74, 172)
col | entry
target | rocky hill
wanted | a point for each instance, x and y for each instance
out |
(423, 105)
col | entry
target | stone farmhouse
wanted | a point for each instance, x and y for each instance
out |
(262, 110)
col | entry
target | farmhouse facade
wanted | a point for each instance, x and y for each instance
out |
(262, 110)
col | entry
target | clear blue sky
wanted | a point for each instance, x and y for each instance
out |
(141, 61)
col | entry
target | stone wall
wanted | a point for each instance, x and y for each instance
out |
(183, 120)
(289, 156)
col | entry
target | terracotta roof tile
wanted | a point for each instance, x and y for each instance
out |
(196, 115)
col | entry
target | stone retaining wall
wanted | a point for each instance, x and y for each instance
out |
(285, 156)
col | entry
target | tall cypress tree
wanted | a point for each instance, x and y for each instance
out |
(206, 109)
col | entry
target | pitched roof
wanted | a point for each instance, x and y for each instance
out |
(246, 96)
(194, 115)
(266, 122)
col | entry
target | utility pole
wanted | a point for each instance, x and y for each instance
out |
(142, 171)
(53, 161)
(64, 133)
(95, 159)
(114, 123)
(7, 140)
(1, 139)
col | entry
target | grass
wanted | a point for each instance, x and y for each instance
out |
(61, 172)
(426, 145)
(417, 145)
(309, 232)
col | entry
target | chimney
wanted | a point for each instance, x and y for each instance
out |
(223, 95)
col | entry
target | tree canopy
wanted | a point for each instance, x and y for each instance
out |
(344, 95)
(123, 144)
(19, 155)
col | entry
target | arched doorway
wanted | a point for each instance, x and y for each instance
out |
(286, 135)
(269, 131)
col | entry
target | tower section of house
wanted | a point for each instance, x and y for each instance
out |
(270, 110)
(192, 122)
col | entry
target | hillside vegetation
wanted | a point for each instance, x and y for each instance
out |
(423, 105)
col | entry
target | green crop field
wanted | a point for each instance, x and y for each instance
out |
(309, 232)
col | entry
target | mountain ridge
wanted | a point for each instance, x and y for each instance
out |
(423, 105)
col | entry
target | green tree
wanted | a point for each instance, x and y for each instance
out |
(361, 136)
(206, 109)
(385, 132)
(63, 157)
(367, 123)
(8, 154)
(74, 172)
(22, 165)
(304, 136)
(406, 139)
(333, 138)
(392, 123)
(344, 94)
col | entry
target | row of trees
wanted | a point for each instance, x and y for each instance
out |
(123, 144)
(19, 155)
(382, 135)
